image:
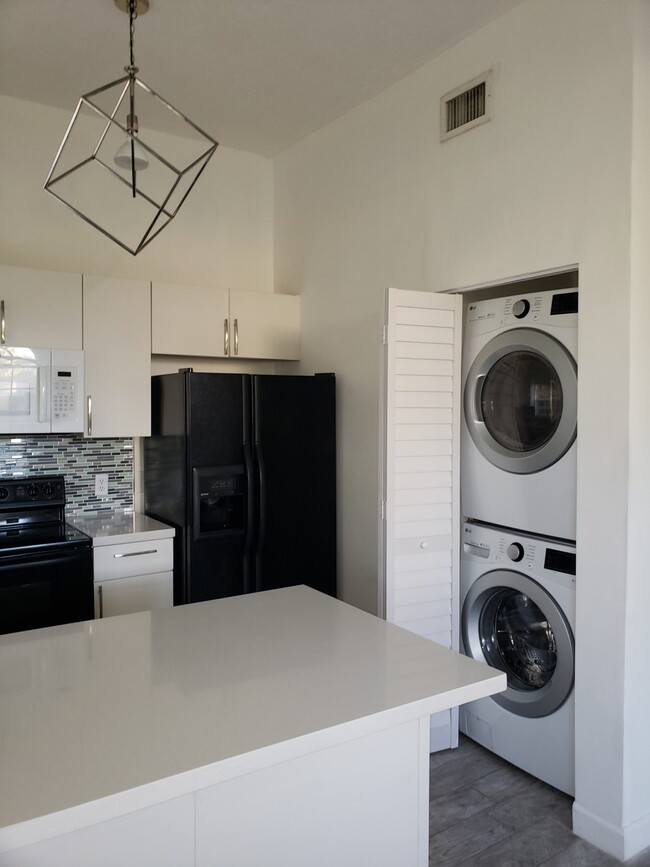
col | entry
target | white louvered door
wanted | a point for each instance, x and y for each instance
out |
(421, 493)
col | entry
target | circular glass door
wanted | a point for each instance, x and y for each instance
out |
(521, 401)
(512, 623)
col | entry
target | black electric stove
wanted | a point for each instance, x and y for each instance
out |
(46, 566)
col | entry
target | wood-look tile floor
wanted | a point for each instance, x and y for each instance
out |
(484, 811)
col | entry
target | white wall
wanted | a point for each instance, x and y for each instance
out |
(222, 236)
(375, 199)
(637, 681)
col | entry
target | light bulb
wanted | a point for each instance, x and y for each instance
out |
(122, 158)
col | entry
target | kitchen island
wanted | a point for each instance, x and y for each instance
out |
(280, 728)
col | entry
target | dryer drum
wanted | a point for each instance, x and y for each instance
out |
(514, 624)
(520, 400)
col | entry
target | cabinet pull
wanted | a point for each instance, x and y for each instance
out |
(226, 337)
(136, 553)
(89, 413)
(236, 341)
(100, 592)
(3, 338)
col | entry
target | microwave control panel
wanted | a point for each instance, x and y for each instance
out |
(67, 391)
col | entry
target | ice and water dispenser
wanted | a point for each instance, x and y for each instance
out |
(219, 500)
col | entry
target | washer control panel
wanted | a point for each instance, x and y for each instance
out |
(535, 554)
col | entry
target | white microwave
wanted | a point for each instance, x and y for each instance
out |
(41, 390)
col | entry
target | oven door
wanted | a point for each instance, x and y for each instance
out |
(45, 589)
(24, 390)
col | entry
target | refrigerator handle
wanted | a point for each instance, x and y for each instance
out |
(250, 517)
(261, 468)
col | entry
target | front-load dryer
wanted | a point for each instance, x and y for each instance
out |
(517, 597)
(518, 436)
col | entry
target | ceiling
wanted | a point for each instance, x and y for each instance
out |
(257, 75)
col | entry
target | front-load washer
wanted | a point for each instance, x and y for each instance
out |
(518, 436)
(517, 598)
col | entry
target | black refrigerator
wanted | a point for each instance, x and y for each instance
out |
(244, 468)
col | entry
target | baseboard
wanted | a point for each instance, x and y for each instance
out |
(621, 842)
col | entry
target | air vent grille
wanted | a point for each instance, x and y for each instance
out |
(465, 107)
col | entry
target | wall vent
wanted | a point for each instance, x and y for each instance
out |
(465, 107)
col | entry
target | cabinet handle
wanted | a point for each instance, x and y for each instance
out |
(236, 328)
(90, 415)
(136, 553)
(100, 592)
(3, 338)
(226, 337)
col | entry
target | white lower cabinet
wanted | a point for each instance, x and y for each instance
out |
(137, 593)
(158, 836)
(133, 576)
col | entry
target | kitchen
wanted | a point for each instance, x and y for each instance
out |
(374, 199)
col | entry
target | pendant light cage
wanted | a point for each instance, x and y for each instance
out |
(128, 159)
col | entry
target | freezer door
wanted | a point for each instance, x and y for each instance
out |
(219, 451)
(294, 425)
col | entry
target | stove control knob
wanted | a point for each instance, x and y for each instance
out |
(48, 489)
(4, 493)
(515, 552)
(32, 490)
(520, 308)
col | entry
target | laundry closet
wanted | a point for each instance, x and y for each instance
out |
(479, 501)
(518, 463)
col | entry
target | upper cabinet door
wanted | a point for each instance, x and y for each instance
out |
(264, 325)
(117, 350)
(222, 323)
(189, 320)
(40, 308)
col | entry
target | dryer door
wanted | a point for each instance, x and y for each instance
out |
(520, 400)
(514, 624)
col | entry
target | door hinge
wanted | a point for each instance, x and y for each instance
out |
(384, 335)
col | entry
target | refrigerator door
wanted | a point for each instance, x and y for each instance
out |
(219, 467)
(294, 427)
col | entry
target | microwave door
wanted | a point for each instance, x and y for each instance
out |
(24, 390)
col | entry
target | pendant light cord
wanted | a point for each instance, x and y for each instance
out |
(132, 120)
(133, 14)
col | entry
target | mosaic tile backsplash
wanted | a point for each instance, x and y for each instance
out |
(79, 460)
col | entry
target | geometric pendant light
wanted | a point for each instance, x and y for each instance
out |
(128, 158)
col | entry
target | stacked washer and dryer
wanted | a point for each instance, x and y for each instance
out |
(518, 559)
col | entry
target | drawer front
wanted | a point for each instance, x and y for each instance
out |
(133, 558)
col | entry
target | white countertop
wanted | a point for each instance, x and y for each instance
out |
(116, 527)
(147, 706)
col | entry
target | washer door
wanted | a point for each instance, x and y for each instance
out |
(512, 623)
(521, 400)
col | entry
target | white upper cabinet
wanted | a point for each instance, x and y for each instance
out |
(40, 308)
(188, 320)
(264, 325)
(222, 323)
(117, 349)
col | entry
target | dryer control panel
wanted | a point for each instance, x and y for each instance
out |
(543, 308)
